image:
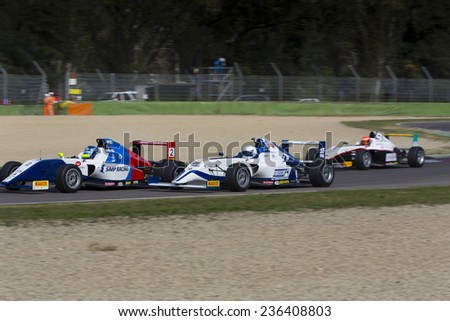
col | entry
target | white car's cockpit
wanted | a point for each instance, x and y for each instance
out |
(249, 151)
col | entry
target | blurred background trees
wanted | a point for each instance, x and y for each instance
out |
(302, 37)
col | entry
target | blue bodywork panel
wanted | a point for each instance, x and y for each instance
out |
(43, 170)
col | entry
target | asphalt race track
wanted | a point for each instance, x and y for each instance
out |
(435, 125)
(434, 173)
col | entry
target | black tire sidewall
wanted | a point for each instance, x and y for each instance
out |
(8, 168)
(170, 170)
(311, 154)
(60, 178)
(316, 173)
(231, 180)
(359, 159)
(412, 156)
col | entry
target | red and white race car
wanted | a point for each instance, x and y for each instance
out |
(376, 149)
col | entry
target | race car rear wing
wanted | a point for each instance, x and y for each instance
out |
(320, 145)
(170, 147)
(414, 136)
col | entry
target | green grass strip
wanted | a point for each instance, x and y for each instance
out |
(251, 108)
(272, 108)
(262, 203)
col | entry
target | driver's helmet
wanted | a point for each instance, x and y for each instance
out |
(375, 135)
(249, 151)
(89, 152)
(365, 141)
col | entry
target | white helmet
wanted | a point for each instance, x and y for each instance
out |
(249, 151)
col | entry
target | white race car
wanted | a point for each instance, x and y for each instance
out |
(263, 163)
(376, 149)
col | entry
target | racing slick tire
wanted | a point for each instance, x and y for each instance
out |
(311, 154)
(172, 170)
(8, 168)
(68, 178)
(321, 173)
(363, 159)
(168, 169)
(416, 156)
(238, 178)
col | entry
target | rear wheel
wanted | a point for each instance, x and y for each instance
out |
(416, 156)
(321, 173)
(68, 178)
(238, 178)
(363, 159)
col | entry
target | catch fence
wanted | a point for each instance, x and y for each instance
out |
(206, 84)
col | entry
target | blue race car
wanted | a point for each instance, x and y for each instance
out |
(108, 164)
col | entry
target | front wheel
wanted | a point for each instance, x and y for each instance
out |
(363, 159)
(68, 178)
(8, 168)
(321, 173)
(238, 178)
(173, 169)
(168, 169)
(416, 157)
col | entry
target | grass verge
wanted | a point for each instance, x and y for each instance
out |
(252, 108)
(267, 203)
(273, 108)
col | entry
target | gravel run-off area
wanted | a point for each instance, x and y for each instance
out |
(399, 253)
